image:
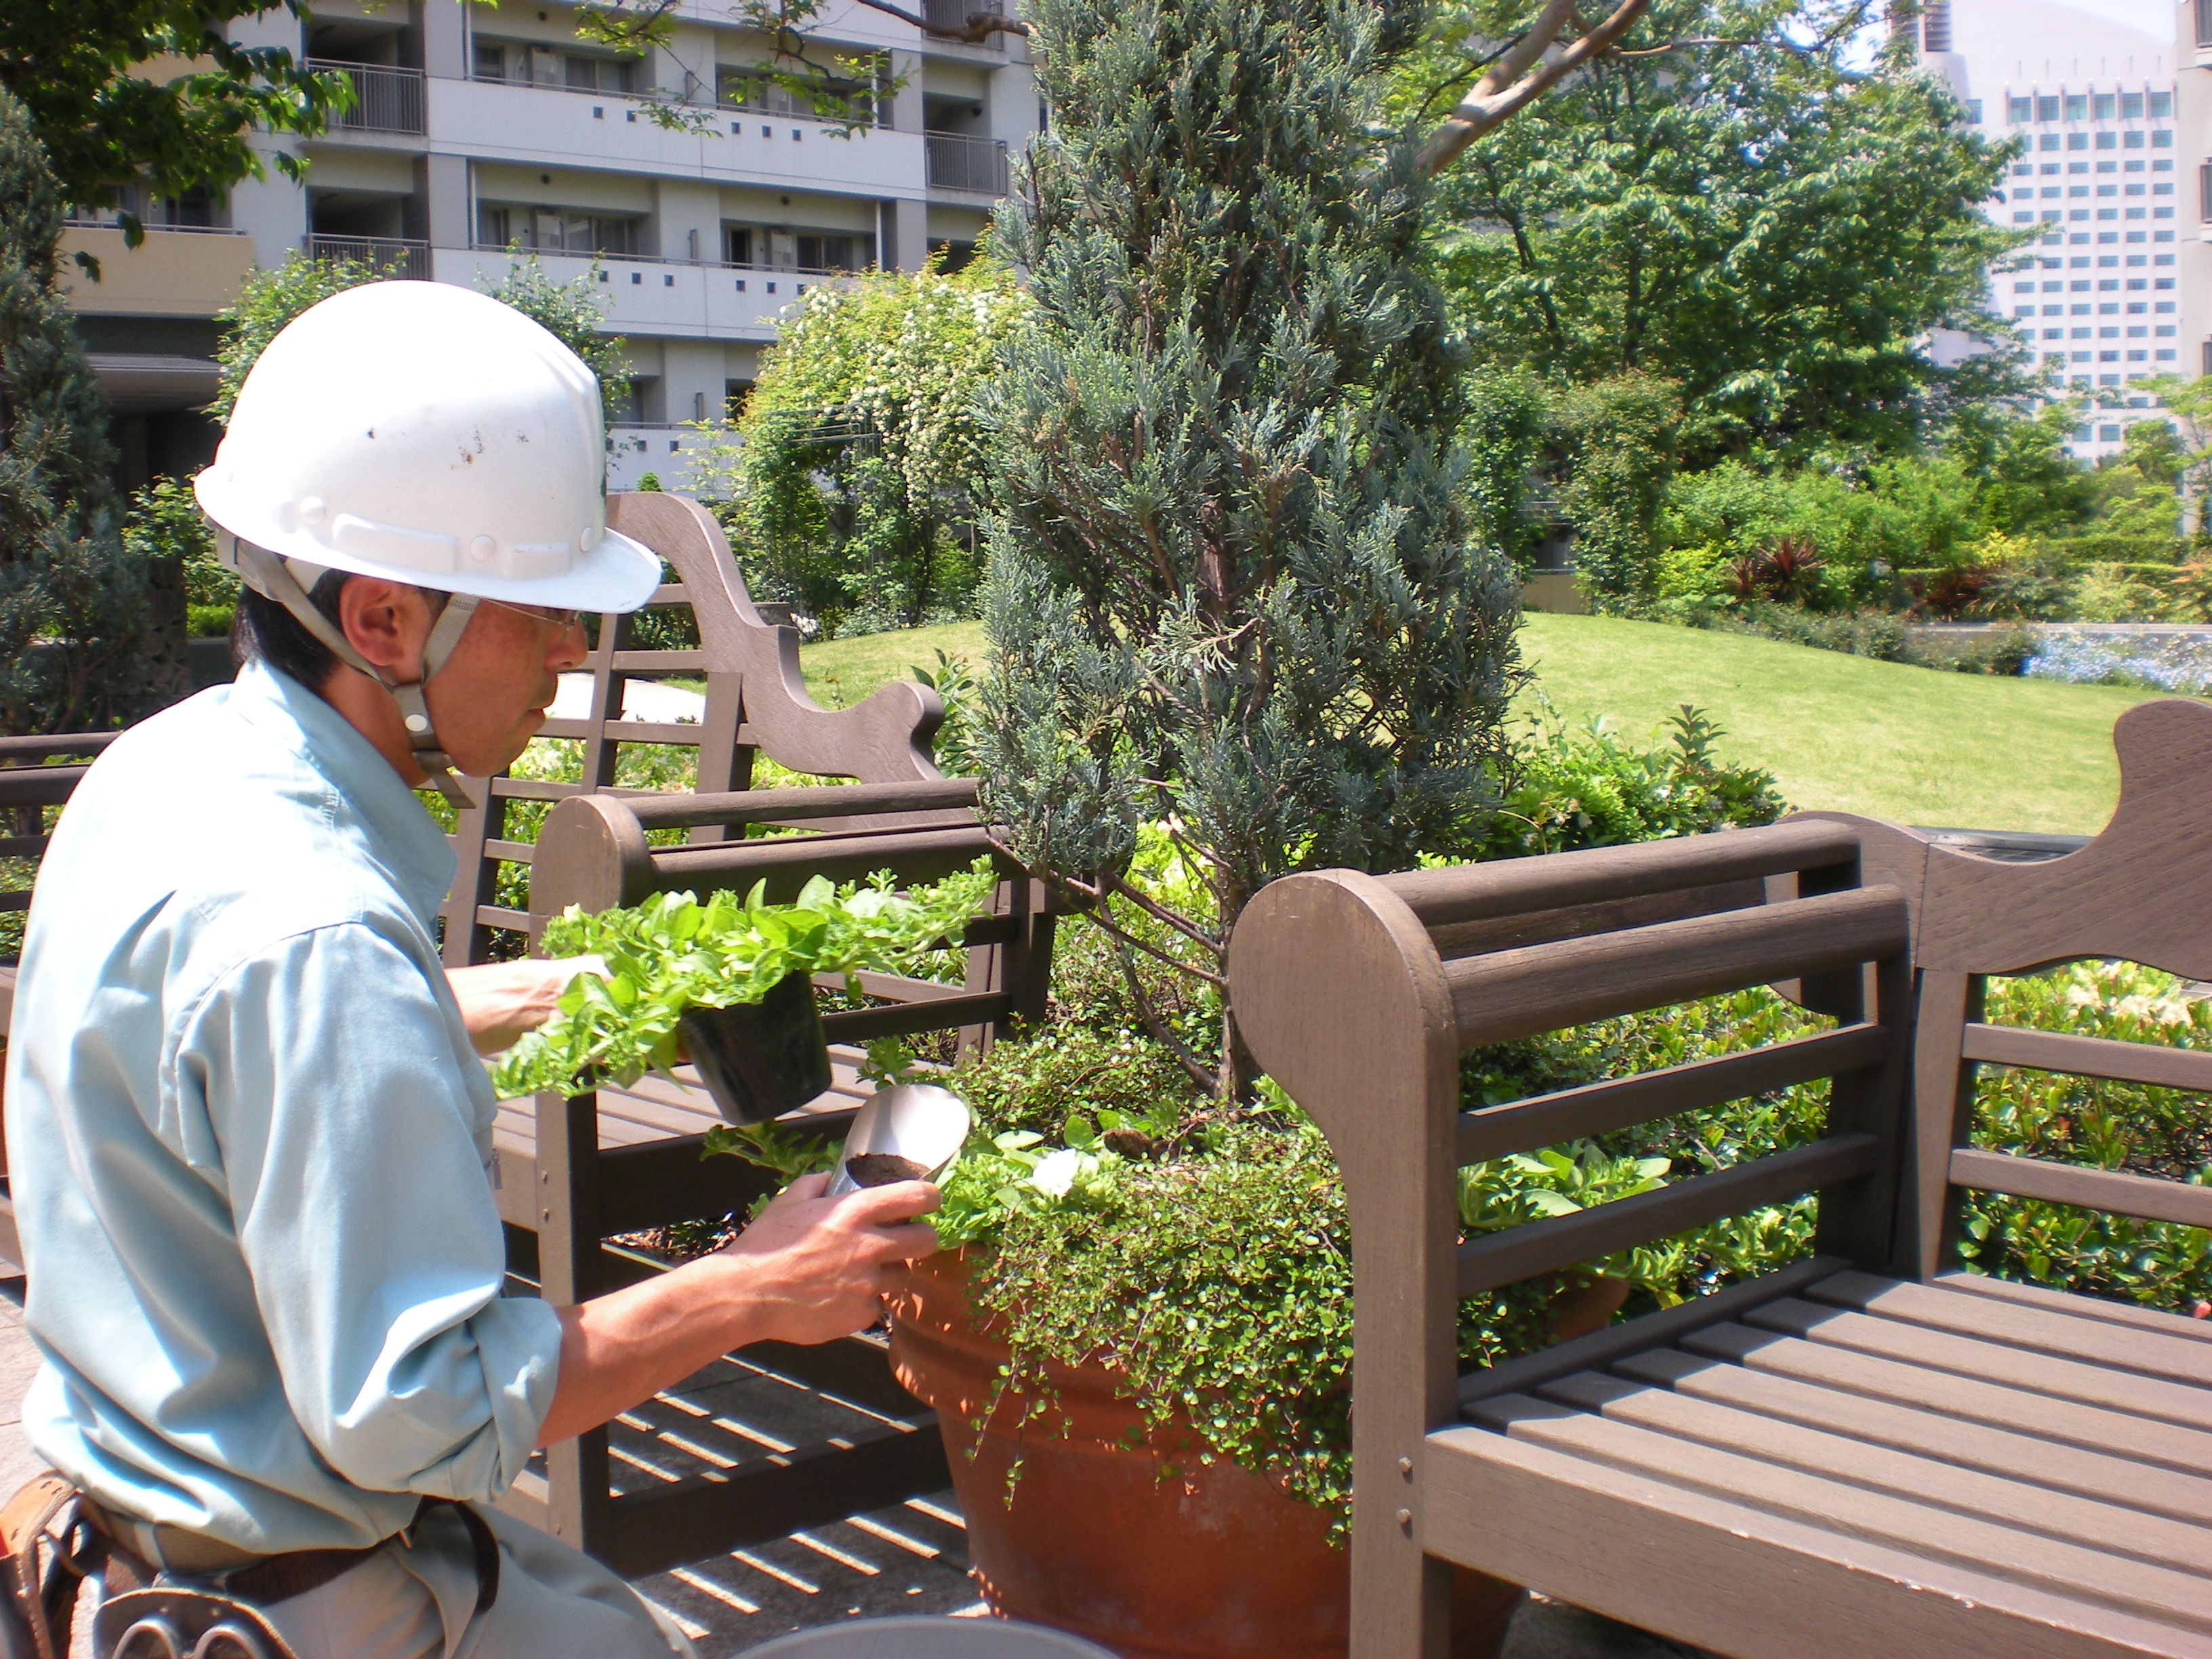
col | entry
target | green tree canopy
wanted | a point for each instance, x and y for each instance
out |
(1726, 204)
(124, 92)
(1232, 590)
(857, 461)
(76, 616)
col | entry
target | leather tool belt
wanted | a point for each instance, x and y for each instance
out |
(168, 1594)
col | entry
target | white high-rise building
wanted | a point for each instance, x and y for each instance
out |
(475, 127)
(2098, 295)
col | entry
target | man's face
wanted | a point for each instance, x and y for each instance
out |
(490, 697)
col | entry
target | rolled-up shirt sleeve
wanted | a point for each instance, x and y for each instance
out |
(352, 1148)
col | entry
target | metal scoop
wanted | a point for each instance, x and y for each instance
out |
(908, 1131)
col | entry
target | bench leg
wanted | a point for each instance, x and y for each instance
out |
(1401, 1598)
(579, 1509)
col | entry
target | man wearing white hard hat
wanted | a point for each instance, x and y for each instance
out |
(248, 1133)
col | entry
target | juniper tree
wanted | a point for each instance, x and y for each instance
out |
(1232, 591)
(66, 585)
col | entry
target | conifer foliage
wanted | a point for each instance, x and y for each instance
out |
(66, 587)
(1232, 590)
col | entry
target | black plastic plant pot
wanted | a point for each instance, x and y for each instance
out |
(761, 1060)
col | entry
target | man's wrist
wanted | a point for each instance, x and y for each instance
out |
(725, 1289)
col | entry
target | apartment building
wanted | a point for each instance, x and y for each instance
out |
(2097, 296)
(477, 128)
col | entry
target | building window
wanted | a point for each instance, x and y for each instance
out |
(2162, 138)
(2077, 106)
(526, 65)
(558, 230)
(2105, 104)
(825, 252)
(2131, 105)
(2046, 109)
(2131, 141)
(1974, 111)
(2020, 111)
(2161, 106)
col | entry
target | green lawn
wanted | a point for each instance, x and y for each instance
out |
(1840, 732)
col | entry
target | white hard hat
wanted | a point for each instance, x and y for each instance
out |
(433, 435)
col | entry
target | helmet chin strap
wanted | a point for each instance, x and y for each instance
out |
(269, 575)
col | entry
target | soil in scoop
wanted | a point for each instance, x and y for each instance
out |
(881, 1168)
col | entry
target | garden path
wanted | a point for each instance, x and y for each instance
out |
(911, 1558)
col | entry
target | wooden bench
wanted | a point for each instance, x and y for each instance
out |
(593, 1176)
(1867, 1452)
(28, 787)
(663, 1485)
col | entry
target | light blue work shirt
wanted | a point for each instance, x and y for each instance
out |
(250, 1144)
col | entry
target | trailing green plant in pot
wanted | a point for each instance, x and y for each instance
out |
(1138, 1340)
(676, 968)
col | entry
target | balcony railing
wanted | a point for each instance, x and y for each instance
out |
(956, 162)
(953, 15)
(385, 99)
(400, 256)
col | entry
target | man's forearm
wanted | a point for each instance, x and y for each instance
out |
(808, 1269)
(624, 1348)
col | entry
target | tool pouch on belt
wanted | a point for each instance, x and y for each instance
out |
(176, 1621)
(51, 1549)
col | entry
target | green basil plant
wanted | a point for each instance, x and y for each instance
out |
(672, 952)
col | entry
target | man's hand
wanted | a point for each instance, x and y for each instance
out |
(500, 1000)
(820, 1267)
(810, 1269)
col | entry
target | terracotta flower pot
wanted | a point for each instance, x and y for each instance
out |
(1121, 1535)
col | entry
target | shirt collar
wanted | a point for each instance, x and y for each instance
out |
(403, 836)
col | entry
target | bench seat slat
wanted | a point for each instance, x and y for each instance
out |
(1736, 1579)
(2080, 1307)
(1966, 1356)
(1975, 1400)
(2043, 1331)
(2026, 1504)
(2073, 1570)
(1932, 1434)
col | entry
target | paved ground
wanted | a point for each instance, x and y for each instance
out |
(909, 1558)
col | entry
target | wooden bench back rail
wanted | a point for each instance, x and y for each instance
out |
(756, 703)
(21, 752)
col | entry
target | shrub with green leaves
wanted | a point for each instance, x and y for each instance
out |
(1588, 788)
(854, 474)
(671, 953)
(166, 522)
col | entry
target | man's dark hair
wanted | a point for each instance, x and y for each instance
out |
(264, 631)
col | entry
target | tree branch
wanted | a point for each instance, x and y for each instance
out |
(980, 26)
(1522, 77)
(1201, 1072)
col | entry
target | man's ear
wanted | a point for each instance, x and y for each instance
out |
(387, 622)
